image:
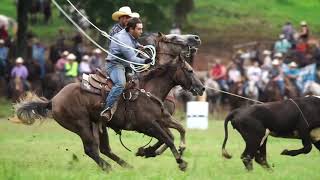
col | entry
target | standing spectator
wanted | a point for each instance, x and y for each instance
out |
(282, 45)
(21, 71)
(218, 73)
(38, 55)
(78, 49)
(61, 37)
(277, 75)
(267, 61)
(234, 74)
(289, 32)
(304, 31)
(254, 72)
(3, 58)
(71, 68)
(96, 60)
(4, 33)
(85, 65)
(61, 62)
(292, 73)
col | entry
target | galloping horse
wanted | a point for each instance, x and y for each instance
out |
(78, 111)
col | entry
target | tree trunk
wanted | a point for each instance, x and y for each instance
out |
(182, 8)
(22, 18)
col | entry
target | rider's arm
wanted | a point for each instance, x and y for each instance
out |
(129, 53)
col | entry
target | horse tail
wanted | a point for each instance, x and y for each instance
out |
(226, 121)
(32, 107)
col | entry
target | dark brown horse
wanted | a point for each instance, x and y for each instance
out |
(78, 111)
(272, 91)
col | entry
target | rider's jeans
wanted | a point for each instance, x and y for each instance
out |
(117, 75)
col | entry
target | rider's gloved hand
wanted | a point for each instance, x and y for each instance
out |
(147, 61)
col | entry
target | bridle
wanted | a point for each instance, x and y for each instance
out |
(187, 53)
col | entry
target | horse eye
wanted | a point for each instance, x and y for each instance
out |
(190, 71)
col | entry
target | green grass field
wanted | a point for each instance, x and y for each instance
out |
(45, 151)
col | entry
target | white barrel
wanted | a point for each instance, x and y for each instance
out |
(197, 115)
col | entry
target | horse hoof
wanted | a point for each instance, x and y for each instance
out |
(183, 166)
(106, 168)
(140, 152)
(285, 152)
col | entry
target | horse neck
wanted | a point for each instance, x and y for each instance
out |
(159, 86)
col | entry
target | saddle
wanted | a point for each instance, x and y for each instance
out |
(100, 83)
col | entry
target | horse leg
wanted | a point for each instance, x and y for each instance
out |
(158, 132)
(152, 151)
(261, 156)
(106, 149)
(306, 142)
(91, 144)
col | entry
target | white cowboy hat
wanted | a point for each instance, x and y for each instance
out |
(65, 53)
(303, 23)
(275, 62)
(281, 36)
(85, 58)
(266, 52)
(293, 64)
(97, 51)
(71, 57)
(19, 60)
(135, 15)
(278, 55)
(123, 11)
(1, 41)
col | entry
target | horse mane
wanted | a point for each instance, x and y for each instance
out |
(158, 71)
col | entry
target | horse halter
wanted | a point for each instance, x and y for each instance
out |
(187, 53)
(185, 71)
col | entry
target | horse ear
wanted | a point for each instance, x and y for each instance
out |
(160, 34)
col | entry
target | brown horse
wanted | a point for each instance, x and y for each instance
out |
(178, 72)
(78, 111)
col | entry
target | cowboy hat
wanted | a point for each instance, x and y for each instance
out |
(1, 41)
(278, 55)
(85, 58)
(97, 51)
(303, 23)
(124, 11)
(65, 53)
(71, 57)
(275, 62)
(281, 36)
(293, 64)
(19, 60)
(266, 52)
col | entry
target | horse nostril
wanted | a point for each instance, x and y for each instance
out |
(196, 37)
(203, 89)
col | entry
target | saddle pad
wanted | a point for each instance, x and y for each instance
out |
(88, 88)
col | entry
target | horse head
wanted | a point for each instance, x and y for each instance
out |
(173, 45)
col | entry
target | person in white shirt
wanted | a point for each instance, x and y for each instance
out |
(85, 65)
(254, 72)
(234, 74)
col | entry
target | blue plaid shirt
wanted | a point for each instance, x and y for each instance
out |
(115, 29)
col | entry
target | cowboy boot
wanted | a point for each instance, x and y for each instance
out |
(106, 113)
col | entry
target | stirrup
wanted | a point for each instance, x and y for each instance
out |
(104, 111)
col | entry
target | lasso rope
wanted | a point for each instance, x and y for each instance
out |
(242, 97)
(137, 67)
